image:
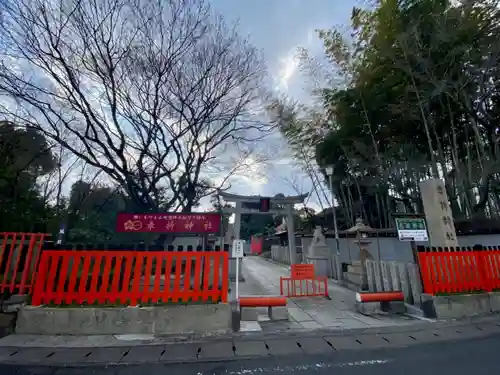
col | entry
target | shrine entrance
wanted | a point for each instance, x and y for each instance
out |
(264, 206)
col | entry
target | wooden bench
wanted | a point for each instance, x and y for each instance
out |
(386, 300)
(263, 301)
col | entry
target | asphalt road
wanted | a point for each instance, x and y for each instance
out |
(464, 357)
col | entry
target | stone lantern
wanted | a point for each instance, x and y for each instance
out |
(363, 241)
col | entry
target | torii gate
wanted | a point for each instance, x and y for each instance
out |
(287, 202)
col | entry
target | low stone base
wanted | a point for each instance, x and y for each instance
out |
(495, 302)
(159, 320)
(392, 307)
(456, 306)
(14, 303)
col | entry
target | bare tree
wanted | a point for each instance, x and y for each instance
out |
(302, 129)
(52, 185)
(149, 91)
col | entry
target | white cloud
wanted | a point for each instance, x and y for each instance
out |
(253, 173)
(289, 66)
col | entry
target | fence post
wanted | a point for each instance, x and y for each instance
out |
(39, 282)
(481, 260)
(422, 273)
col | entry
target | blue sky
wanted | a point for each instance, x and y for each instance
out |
(278, 28)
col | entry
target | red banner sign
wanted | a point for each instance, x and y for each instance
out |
(169, 223)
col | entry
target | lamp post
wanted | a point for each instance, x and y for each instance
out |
(329, 172)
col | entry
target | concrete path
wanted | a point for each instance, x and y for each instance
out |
(316, 312)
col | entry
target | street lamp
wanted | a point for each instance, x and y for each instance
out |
(329, 171)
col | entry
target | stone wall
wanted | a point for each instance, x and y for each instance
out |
(280, 254)
(395, 276)
(160, 320)
(390, 248)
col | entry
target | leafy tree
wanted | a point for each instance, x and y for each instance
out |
(418, 98)
(218, 207)
(92, 210)
(24, 157)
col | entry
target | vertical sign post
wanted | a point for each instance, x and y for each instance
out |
(237, 253)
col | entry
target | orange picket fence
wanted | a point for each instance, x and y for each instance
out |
(19, 255)
(303, 282)
(459, 270)
(130, 277)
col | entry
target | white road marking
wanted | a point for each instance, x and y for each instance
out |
(299, 368)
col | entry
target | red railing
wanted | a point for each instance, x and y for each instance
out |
(303, 282)
(291, 287)
(19, 255)
(459, 270)
(130, 277)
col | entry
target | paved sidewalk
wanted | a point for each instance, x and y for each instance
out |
(338, 312)
(256, 319)
(242, 347)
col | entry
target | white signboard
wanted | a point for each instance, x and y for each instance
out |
(413, 235)
(237, 251)
(412, 229)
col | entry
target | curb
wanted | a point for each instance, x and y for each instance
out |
(302, 333)
(200, 360)
(292, 333)
(134, 363)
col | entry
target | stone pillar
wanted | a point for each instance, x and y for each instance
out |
(405, 282)
(440, 225)
(237, 222)
(235, 236)
(396, 278)
(415, 283)
(370, 275)
(377, 271)
(386, 276)
(290, 225)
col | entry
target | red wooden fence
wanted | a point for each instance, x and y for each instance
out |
(446, 270)
(130, 277)
(19, 255)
